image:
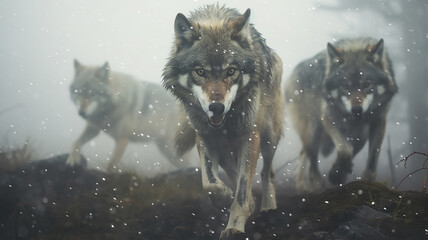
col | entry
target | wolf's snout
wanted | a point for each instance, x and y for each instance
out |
(357, 111)
(216, 116)
(216, 108)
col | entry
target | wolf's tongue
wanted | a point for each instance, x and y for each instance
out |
(216, 120)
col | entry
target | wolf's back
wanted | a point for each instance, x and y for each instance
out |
(303, 89)
(307, 76)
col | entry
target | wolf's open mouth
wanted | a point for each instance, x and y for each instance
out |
(216, 121)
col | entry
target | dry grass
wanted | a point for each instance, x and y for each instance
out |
(15, 157)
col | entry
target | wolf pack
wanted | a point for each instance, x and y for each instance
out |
(222, 92)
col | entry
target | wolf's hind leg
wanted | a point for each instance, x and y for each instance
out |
(118, 151)
(302, 173)
(310, 136)
(268, 149)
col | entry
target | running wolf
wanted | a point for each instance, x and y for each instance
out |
(340, 98)
(124, 108)
(228, 81)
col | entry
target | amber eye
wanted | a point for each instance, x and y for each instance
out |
(231, 71)
(339, 61)
(200, 72)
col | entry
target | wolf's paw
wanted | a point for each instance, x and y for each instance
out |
(74, 159)
(268, 201)
(232, 234)
(337, 177)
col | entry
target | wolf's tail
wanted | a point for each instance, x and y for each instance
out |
(327, 145)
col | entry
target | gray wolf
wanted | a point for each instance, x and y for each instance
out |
(228, 81)
(124, 108)
(340, 99)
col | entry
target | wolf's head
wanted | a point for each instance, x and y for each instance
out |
(89, 90)
(358, 75)
(211, 61)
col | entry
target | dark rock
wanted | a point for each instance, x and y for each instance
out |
(357, 230)
(321, 235)
(364, 213)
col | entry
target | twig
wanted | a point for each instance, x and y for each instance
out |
(415, 171)
(425, 186)
(411, 154)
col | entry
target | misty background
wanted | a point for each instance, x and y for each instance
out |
(40, 39)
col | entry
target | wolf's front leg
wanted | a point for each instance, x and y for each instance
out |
(342, 166)
(377, 132)
(119, 149)
(219, 194)
(74, 158)
(243, 203)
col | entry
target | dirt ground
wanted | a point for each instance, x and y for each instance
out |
(47, 200)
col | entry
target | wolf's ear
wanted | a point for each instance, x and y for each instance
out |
(185, 33)
(103, 72)
(375, 51)
(334, 54)
(77, 66)
(241, 31)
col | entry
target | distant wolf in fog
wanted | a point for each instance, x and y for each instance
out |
(340, 98)
(124, 108)
(229, 83)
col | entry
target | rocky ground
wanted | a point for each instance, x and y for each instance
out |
(47, 200)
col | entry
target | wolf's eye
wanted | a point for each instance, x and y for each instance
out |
(200, 72)
(231, 71)
(338, 60)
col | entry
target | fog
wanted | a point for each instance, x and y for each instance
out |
(40, 39)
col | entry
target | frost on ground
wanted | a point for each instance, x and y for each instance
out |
(47, 200)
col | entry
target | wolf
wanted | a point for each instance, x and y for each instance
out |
(127, 109)
(339, 99)
(228, 82)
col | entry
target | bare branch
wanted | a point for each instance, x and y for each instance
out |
(415, 171)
